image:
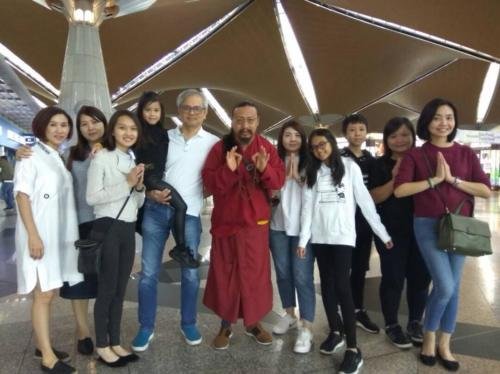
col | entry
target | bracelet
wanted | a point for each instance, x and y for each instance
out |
(141, 190)
(431, 185)
(456, 181)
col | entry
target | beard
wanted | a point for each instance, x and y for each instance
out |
(244, 137)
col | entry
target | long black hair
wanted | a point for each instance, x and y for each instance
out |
(334, 162)
(150, 132)
(81, 150)
(303, 151)
(393, 125)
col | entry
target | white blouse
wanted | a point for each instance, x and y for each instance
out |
(49, 185)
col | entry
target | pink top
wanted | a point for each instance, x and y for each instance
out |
(464, 164)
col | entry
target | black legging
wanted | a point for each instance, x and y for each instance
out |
(334, 264)
(117, 258)
(360, 263)
(401, 262)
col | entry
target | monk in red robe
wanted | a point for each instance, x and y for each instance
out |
(240, 172)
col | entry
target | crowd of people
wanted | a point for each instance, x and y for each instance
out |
(303, 201)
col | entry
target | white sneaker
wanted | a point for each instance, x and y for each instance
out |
(304, 341)
(286, 322)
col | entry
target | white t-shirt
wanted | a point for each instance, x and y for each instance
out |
(47, 182)
(286, 216)
(185, 160)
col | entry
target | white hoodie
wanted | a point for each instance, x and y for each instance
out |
(328, 211)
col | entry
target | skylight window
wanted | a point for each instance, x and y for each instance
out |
(487, 92)
(217, 108)
(296, 59)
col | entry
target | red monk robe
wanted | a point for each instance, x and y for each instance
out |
(239, 277)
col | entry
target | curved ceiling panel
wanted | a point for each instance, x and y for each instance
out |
(460, 82)
(246, 56)
(352, 63)
(473, 24)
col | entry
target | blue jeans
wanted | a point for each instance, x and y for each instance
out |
(293, 273)
(156, 225)
(7, 195)
(446, 271)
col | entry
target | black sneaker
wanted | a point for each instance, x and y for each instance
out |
(61, 356)
(415, 332)
(363, 321)
(85, 346)
(332, 343)
(183, 256)
(398, 337)
(59, 368)
(352, 362)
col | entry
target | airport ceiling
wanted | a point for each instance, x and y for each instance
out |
(355, 64)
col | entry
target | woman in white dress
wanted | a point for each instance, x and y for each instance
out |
(46, 227)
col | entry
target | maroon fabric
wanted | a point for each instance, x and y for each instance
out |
(241, 198)
(464, 164)
(239, 277)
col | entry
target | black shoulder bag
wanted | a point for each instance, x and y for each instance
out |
(459, 234)
(89, 250)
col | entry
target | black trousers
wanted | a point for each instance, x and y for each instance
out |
(360, 259)
(118, 252)
(401, 262)
(334, 263)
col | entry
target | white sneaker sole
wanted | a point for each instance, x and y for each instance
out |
(302, 350)
(337, 348)
(353, 372)
(191, 342)
(360, 325)
(143, 347)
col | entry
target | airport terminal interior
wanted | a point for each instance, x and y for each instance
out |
(313, 60)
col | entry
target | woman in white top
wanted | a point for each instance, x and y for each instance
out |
(114, 180)
(293, 273)
(333, 188)
(46, 227)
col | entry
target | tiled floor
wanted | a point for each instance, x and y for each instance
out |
(476, 341)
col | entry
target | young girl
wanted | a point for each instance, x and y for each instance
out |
(333, 189)
(46, 228)
(153, 153)
(455, 175)
(404, 260)
(114, 181)
(293, 273)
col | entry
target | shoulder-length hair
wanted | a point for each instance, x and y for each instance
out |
(42, 120)
(334, 162)
(303, 151)
(81, 150)
(147, 98)
(109, 139)
(428, 114)
(393, 125)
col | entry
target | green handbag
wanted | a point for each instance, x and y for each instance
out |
(459, 234)
(463, 235)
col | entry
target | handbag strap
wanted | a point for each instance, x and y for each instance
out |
(459, 208)
(125, 203)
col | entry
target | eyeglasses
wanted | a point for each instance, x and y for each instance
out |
(241, 120)
(320, 145)
(192, 109)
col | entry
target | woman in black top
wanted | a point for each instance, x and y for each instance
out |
(152, 152)
(404, 259)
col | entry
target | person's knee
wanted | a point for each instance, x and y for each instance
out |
(190, 276)
(445, 290)
(45, 297)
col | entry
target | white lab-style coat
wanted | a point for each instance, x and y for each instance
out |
(49, 185)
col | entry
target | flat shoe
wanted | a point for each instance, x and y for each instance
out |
(115, 364)
(132, 357)
(59, 368)
(85, 346)
(427, 360)
(182, 255)
(448, 364)
(61, 356)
